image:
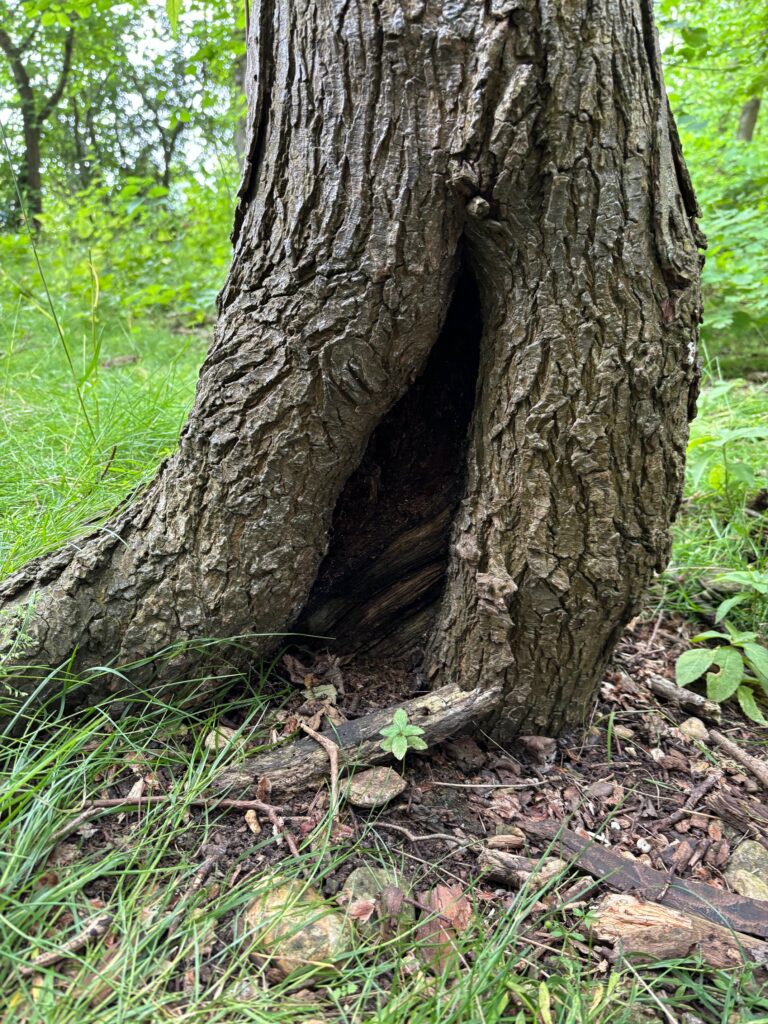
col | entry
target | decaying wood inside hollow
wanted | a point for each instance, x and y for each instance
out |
(378, 586)
(301, 763)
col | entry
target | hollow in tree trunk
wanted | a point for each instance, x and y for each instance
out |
(446, 403)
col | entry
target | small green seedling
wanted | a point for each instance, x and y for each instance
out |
(737, 665)
(400, 736)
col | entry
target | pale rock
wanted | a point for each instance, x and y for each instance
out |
(296, 927)
(694, 729)
(220, 737)
(375, 787)
(747, 871)
(623, 732)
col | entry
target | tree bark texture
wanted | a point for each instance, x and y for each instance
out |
(518, 155)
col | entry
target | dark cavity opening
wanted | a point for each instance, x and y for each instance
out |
(385, 569)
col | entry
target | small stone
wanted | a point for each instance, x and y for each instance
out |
(252, 821)
(294, 925)
(694, 729)
(375, 787)
(220, 737)
(643, 845)
(747, 870)
(623, 732)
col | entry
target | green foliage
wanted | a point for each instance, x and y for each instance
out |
(151, 250)
(400, 736)
(737, 664)
(720, 552)
(715, 61)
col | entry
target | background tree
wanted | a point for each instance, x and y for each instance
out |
(104, 92)
(453, 368)
(39, 74)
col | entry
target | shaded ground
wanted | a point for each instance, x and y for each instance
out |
(624, 777)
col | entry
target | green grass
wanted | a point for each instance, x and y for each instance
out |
(716, 533)
(56, 476)
(179, 951)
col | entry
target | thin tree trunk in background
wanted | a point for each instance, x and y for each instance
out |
(748, 119)
(360, 445)
(30, 180)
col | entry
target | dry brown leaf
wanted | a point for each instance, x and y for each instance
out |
(362, 910)
(297, 673)
(450, 914)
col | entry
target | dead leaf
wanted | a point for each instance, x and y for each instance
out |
(450, 914)
(541, 748)
(297, 673)
(362, 910)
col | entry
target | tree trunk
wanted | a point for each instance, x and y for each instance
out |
(31, 182)
(748, 119)
(455, 358)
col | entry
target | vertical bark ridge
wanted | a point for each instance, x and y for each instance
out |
(588, 267)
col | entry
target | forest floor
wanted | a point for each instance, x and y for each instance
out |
(468, 916)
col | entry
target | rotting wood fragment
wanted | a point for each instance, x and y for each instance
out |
(723, 908)
(635, 926)
(302, 762)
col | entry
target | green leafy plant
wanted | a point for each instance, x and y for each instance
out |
(750, 588)
(737, 665)
(400, 736)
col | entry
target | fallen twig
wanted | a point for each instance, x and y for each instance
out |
(94, 807)
(413, 838)
(756, 765)
(737, 912)
(332, 750)
(94, 929)
(683, 698)
(696, 794)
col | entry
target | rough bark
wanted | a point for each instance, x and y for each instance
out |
(525, 149)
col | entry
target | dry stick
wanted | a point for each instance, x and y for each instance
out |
(440, 713)
(413, 838)
(94, 807)
(332, 749)
(683, 698)
(696, 794)
(756, 765)
(94, 929)
(490, 785)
